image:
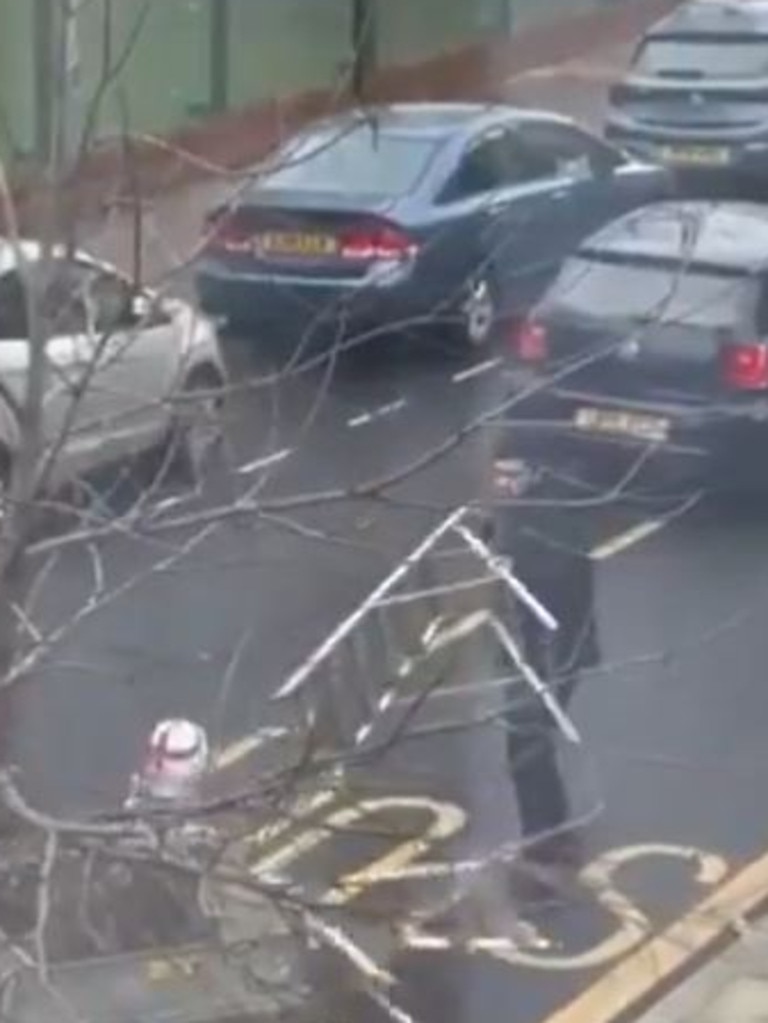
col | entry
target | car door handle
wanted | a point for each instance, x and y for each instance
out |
(561, 193)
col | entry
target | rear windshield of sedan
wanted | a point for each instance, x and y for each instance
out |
(624, 289)
(705, 57)
(360, 161)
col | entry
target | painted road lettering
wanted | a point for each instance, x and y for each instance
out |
(527, 947)
(446, 821)
(633, 925)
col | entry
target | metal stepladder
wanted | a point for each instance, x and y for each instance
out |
(432, 620)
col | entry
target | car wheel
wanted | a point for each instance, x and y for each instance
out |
(478, 316)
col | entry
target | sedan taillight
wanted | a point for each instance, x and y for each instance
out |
(224, 234)
(376, 242)
(745, 366)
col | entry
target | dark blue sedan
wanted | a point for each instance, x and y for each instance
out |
(452, 216)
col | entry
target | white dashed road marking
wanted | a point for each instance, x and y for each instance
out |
(378, 413)
(264, 462)
(475, 371)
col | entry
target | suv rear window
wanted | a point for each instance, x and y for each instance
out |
(360, 161)
(597, 285)
(704, 57)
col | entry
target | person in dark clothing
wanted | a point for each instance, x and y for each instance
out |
(547, 544)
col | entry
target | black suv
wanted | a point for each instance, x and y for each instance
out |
(652, 343)
(696, 95)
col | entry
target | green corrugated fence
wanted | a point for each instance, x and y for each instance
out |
(181, 59)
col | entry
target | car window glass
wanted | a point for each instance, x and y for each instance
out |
(62, 302)
(558, 151)
(359, 161)
(110, 300)
(13, 308)
(687, 57)
(493, 162)
(638, 290)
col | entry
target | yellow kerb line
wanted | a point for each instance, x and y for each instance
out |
(635, 978)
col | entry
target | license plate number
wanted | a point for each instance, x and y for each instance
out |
(699, 156)
(626, 424)
(287, 243)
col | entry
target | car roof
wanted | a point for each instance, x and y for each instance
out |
(715, 17)
(436, 120)
(732, 236)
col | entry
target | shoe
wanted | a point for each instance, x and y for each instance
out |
(535, 886)
(564, 851)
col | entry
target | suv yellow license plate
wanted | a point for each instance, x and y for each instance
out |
(622, 424)
(696, 156)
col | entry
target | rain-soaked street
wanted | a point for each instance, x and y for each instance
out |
(665, 778)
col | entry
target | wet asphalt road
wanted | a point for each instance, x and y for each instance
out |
(672, 723)
(165, 646)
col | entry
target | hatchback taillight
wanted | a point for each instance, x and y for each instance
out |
(376, 242)
(531, 342)
(745, 366)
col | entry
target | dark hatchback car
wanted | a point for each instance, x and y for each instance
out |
(696, 94)
(449, 214)
(653, 342)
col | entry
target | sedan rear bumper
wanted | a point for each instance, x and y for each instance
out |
(388, 299)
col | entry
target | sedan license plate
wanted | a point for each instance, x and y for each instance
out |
(288, 243)
(623, 424)
(696, 156)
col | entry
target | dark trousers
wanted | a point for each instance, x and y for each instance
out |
(532, 732)
(532, 741)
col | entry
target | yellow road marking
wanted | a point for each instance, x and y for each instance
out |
(635, 978)
(633, 926)
(630, 537)
(447, 820)
(242, 748)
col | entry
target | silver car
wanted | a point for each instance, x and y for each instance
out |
(127, 371)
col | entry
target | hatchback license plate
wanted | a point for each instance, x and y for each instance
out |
(626, 424)
(288, 243)
(696, 156)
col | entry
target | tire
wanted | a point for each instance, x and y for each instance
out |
(478, 317)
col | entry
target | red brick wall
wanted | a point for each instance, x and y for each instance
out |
(235, 139)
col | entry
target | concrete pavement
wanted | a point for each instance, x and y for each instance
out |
(732, 989)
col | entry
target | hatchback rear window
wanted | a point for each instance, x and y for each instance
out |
(360, 161)
(705, 57)
(626, 290)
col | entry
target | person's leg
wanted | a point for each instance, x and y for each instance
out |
(541, 796)
(532, 755)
